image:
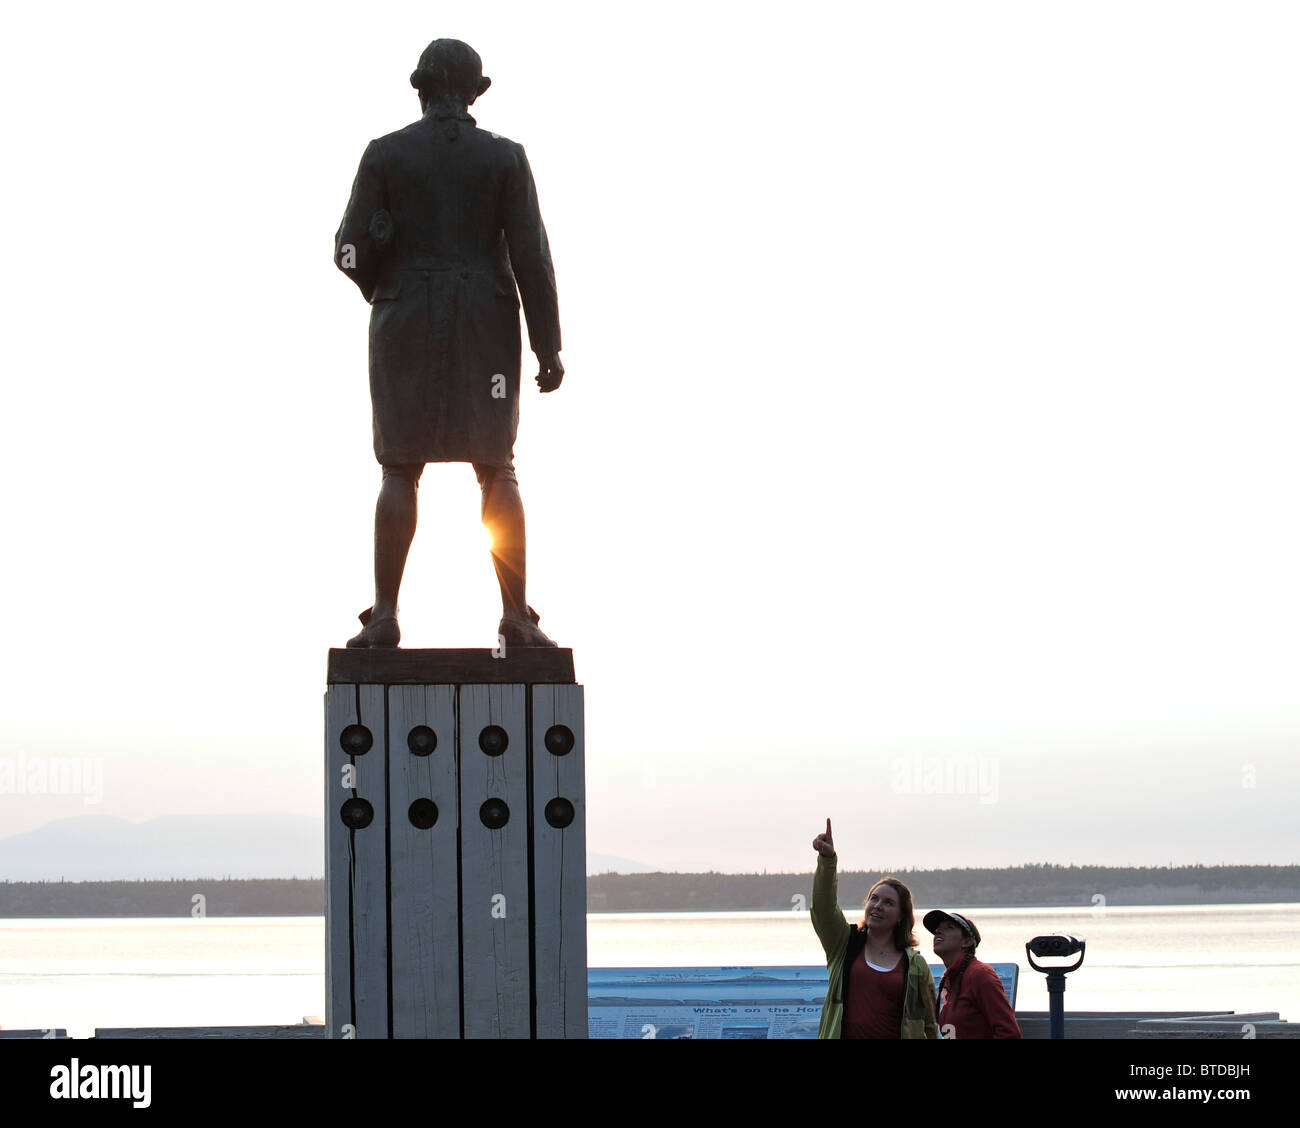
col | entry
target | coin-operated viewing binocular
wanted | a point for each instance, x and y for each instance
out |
(1060, 945)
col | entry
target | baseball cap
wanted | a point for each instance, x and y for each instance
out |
(936, 917)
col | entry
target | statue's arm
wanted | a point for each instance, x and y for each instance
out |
(355, 250)
(530, 257)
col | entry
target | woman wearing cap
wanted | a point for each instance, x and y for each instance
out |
(880, 984)
(972, 1003)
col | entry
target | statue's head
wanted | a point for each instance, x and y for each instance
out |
(449, 70)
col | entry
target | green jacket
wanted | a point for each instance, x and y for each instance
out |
(840, 939)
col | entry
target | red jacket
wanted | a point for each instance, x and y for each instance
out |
(981, 1009)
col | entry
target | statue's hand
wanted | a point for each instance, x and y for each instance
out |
(550, 372)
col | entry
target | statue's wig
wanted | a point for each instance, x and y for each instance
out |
(449, 66)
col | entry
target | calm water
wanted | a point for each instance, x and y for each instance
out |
(79, 974)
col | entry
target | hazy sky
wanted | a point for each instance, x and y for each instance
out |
(926, 456)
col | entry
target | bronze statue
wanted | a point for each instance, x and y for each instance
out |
(442, 225)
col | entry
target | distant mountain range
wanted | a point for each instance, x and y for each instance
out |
(104, 848)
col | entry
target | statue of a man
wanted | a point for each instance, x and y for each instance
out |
(442, 226)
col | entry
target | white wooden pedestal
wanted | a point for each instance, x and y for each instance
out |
(455, 854)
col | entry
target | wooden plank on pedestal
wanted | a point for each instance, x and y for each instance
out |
(424, 877)
(340, 712)
(559, 862)
(370, 874)
(494, 861)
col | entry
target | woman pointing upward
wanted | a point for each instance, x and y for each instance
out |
(880, 985)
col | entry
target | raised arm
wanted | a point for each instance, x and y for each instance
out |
(827, 918)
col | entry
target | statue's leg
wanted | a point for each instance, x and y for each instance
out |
(395, 514)
(503, 514)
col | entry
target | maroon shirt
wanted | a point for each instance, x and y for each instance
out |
(981, 1009)
(874, 1007)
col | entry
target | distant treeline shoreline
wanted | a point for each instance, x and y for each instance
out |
(1012, 887)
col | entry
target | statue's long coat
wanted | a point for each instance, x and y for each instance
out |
(444, 320)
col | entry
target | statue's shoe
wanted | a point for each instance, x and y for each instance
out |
(375, 633)
(521, 632)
